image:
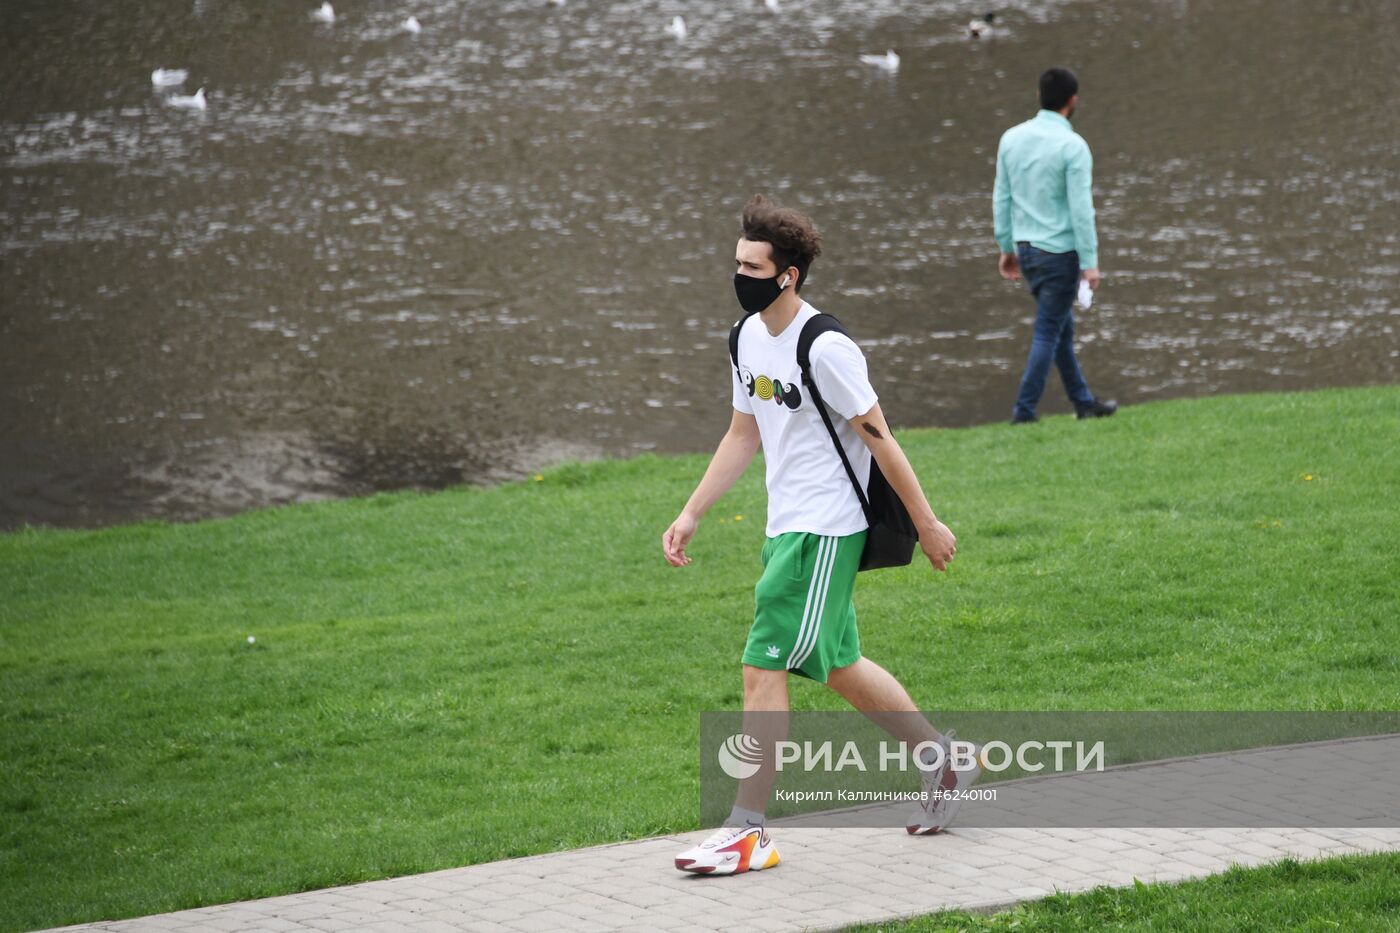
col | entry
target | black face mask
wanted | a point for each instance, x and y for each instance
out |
(755, 294)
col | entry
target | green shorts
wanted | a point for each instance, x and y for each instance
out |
(804, 618)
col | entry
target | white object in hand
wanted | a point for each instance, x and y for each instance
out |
(169, 77)
(324, 14)
(1086, 294)
(677, 28)
(412, 25)
(194, 101)
(887, 62)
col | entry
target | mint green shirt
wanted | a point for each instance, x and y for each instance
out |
(1043, 193)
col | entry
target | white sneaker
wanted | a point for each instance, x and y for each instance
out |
(730, 850)
(942, 789)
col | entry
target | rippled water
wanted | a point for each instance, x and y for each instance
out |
(381, 260)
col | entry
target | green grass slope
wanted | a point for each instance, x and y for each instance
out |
(447, 678)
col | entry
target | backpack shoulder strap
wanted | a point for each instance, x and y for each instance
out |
(816, 326)
(734, 339)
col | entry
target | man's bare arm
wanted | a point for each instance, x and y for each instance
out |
(732, 457)
(937, 541)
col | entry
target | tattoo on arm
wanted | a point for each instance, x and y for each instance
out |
(872, 430)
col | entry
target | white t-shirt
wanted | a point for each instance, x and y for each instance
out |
(808, 489)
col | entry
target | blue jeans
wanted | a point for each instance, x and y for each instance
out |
(1053, 279)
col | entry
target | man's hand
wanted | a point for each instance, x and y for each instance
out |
(939, 544)
(1009, 267)
(1092, 277)
(675, 539)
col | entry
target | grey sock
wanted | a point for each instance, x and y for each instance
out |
(741, 817)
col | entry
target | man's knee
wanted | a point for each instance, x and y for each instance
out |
(760, 681)
(852, 672)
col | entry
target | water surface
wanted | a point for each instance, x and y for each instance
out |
(381, 261)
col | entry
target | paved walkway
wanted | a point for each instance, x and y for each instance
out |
(840, 876)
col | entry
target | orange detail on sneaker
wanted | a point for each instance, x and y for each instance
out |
(729, 851)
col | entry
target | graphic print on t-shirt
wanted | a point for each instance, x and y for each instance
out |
(772, 390)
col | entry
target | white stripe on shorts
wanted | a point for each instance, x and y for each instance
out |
(821, 601)
(807, 608)
(812, 615)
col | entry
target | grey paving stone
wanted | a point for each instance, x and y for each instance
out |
(431, 925)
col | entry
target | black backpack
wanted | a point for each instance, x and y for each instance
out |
(891, 537)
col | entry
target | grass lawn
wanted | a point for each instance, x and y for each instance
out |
(441, 679)
(1348, 893)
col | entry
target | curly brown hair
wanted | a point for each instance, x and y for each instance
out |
(790, 232)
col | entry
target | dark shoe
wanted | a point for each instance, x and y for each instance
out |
(1017, 419)
(1097, 409)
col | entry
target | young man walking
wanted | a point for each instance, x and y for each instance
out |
(1043, 214)
(804, 619)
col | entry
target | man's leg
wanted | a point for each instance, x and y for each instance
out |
(743, 843)
(766, 720)
(779, 601)
(1068, 364)
(1052, 301)
(875, 692)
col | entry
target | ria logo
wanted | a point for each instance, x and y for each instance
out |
(740, 756)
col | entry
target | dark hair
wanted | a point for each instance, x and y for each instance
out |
(790, 232)
(1057, 86)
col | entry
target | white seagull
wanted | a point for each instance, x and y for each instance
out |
(169, 77)
(194, 101)
(324, 14)
(677, 28)
(412, 25)
(888, 62)
(981, 27)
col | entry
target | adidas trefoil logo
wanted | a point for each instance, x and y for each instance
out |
(773, 651)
